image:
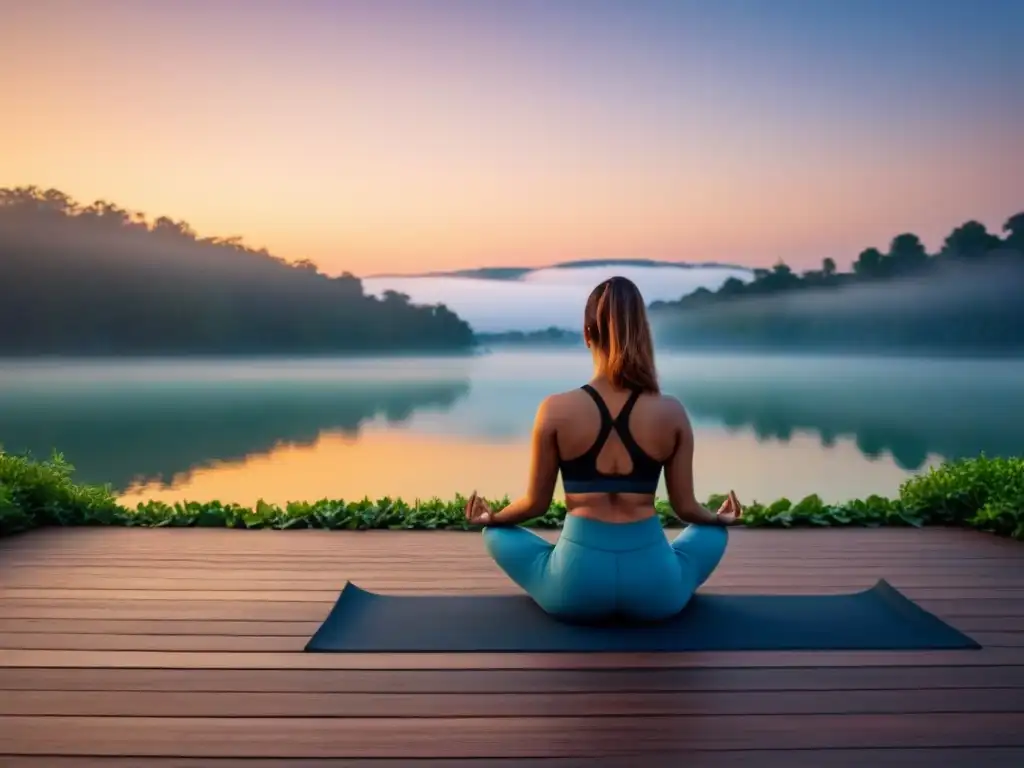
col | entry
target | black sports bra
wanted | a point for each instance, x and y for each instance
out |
(580, 474)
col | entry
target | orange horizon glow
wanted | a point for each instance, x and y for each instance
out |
(380, 138)
(450, 464)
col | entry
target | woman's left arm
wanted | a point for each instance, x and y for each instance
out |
(543, 473)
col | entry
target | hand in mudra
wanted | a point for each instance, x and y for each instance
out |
(731, 511)
(478, 511)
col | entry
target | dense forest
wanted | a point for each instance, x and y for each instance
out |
(966, 298)
(99, 279)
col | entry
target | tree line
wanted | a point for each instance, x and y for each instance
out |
(966, 296)
(551, 336)
(99, 279)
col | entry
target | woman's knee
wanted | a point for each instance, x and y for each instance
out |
(703, 546)
(502, 540)
(514, 545)
(714, 535)
(521, 554)
(706, 537)
(711, 541)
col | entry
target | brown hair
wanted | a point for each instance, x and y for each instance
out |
(616, 321)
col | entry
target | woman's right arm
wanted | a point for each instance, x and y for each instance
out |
(679, 474)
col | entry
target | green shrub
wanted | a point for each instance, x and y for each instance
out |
(982, 493)
(42, 493)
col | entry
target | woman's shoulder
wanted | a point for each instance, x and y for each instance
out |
(567, 403)
(561, 400)
(572, 400)
(669, 405)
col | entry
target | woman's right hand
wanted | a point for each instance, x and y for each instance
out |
(478, 511)
(731, 511)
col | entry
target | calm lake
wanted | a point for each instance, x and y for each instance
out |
(240, 430)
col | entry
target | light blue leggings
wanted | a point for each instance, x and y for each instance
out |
(600, 570)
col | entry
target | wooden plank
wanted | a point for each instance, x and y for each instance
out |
(105, 535)
(971, 757)
(949, 757)
(207, 643)
(244, 606)
(500, 681)
(509, 737)
(999, 639)
(729, 573)
(295, 544)
(142, 539)
(972, 625)
(837, 570)
(98, 533)
(450, 547)
(950, 561)
(113, 539)
(732, 570)
(13, 596)
(260, 644)
(187, 541)
(986, 657)
(398, 579)
(263, 628)
(255, 610)
(166, 609)
(460, 705)
(834, 580)
(446, 549)
(449, 552)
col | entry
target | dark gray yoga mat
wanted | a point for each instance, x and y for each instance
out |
(877, 619)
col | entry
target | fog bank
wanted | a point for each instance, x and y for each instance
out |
(546, 297)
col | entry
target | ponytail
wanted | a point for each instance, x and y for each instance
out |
(617, 322)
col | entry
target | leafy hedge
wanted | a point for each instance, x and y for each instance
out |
(982, 493)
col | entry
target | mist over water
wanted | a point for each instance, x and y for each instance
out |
(955, 307)
(303, 429)
(951, 286)
(546, 297)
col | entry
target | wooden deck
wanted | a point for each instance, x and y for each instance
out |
(123, 647)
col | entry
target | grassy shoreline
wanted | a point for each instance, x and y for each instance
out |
(981, 493)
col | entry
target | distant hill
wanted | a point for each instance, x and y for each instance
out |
(503, 299)
(549, 337)
(964, 299)
(518, 273)
(102, 280)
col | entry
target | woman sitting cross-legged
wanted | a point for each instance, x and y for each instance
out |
(610, 439)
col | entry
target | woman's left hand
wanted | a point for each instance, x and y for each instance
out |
(731, 512)
(478, 511)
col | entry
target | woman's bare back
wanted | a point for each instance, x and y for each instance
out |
(654, 427)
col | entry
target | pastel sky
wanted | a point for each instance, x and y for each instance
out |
(390, 136)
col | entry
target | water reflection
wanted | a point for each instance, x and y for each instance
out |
(162, 426)
(912, 409)
(909, 418)
(302, 429)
